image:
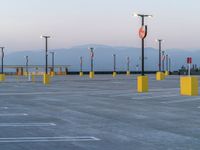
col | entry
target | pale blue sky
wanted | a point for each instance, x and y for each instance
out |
(77, 22)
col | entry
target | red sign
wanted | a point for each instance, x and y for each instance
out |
(189, 60)
(143, 32)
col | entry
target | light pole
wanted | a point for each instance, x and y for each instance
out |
(92, 58)
(163, 61)
(143, 34)
(114, 62)
(167, 63)
(2, 59)
(46, 52)
(26, 64)
(128, 66)
(46, 77)
(81, 64)
(92, 62)
(114, 65)
(53, 54)
(160, 49)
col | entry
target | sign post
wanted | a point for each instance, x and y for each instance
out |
(189, 62)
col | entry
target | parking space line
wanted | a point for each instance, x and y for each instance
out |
(32, 93)
(48, 139)
(141, 94)
(3, 107)
(26, 124)
(166, 89)
(14, 114)
(152, 97)
(181, 101)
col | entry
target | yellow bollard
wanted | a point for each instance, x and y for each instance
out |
(128, 73)
(81, 74)
(189, 86)
(160, 76)
(114, 74)
(25, 74)
(52, 73)
(142, 84)
(33, 77)
(166, 73)
(2, 77)
(46, 79)
(91, 75)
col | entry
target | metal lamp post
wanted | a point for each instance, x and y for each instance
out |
(114, 62)
(46, 53)
(143, 34)
(114, 65)
(167, 63)
(163, 61)
(128, 66)
(92, 58)
(27, 64)
(92, 62)
(53, 56)
(160, 50)
(46, 77)
(2, 59)
(81, 64)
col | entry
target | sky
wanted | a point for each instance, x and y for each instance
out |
(109, 22)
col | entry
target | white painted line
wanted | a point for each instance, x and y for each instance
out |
(166, 89)
(47, 139)
(117, 82)
(3, 107)
(152, 97)
(181, 101)
(32, 93)
(141, 94)
(15, 114)
(26, 124)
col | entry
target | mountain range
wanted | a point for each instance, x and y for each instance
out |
(103, 57)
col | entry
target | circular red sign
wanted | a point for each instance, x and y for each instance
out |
(142, 32)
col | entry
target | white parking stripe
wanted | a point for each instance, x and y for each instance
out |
(47, 139)
(181, 101)
(32, 93)
(152, 97)
(15, 114)
(26, 124)
(3, 107)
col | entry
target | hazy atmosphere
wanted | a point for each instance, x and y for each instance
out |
(79, 22)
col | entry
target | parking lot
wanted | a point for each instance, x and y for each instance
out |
(104, 113)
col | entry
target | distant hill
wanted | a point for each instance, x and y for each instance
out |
(103, 57)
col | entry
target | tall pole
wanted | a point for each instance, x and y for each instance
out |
(2, 58)
(53, 54)
(92, 58)
(114, 63)
(81, 64)
(46, 53)
(167, 64)
(160, 50)
(163, 60)
(143, 34)
(128, 63)
(142, 49)
(27, 65)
